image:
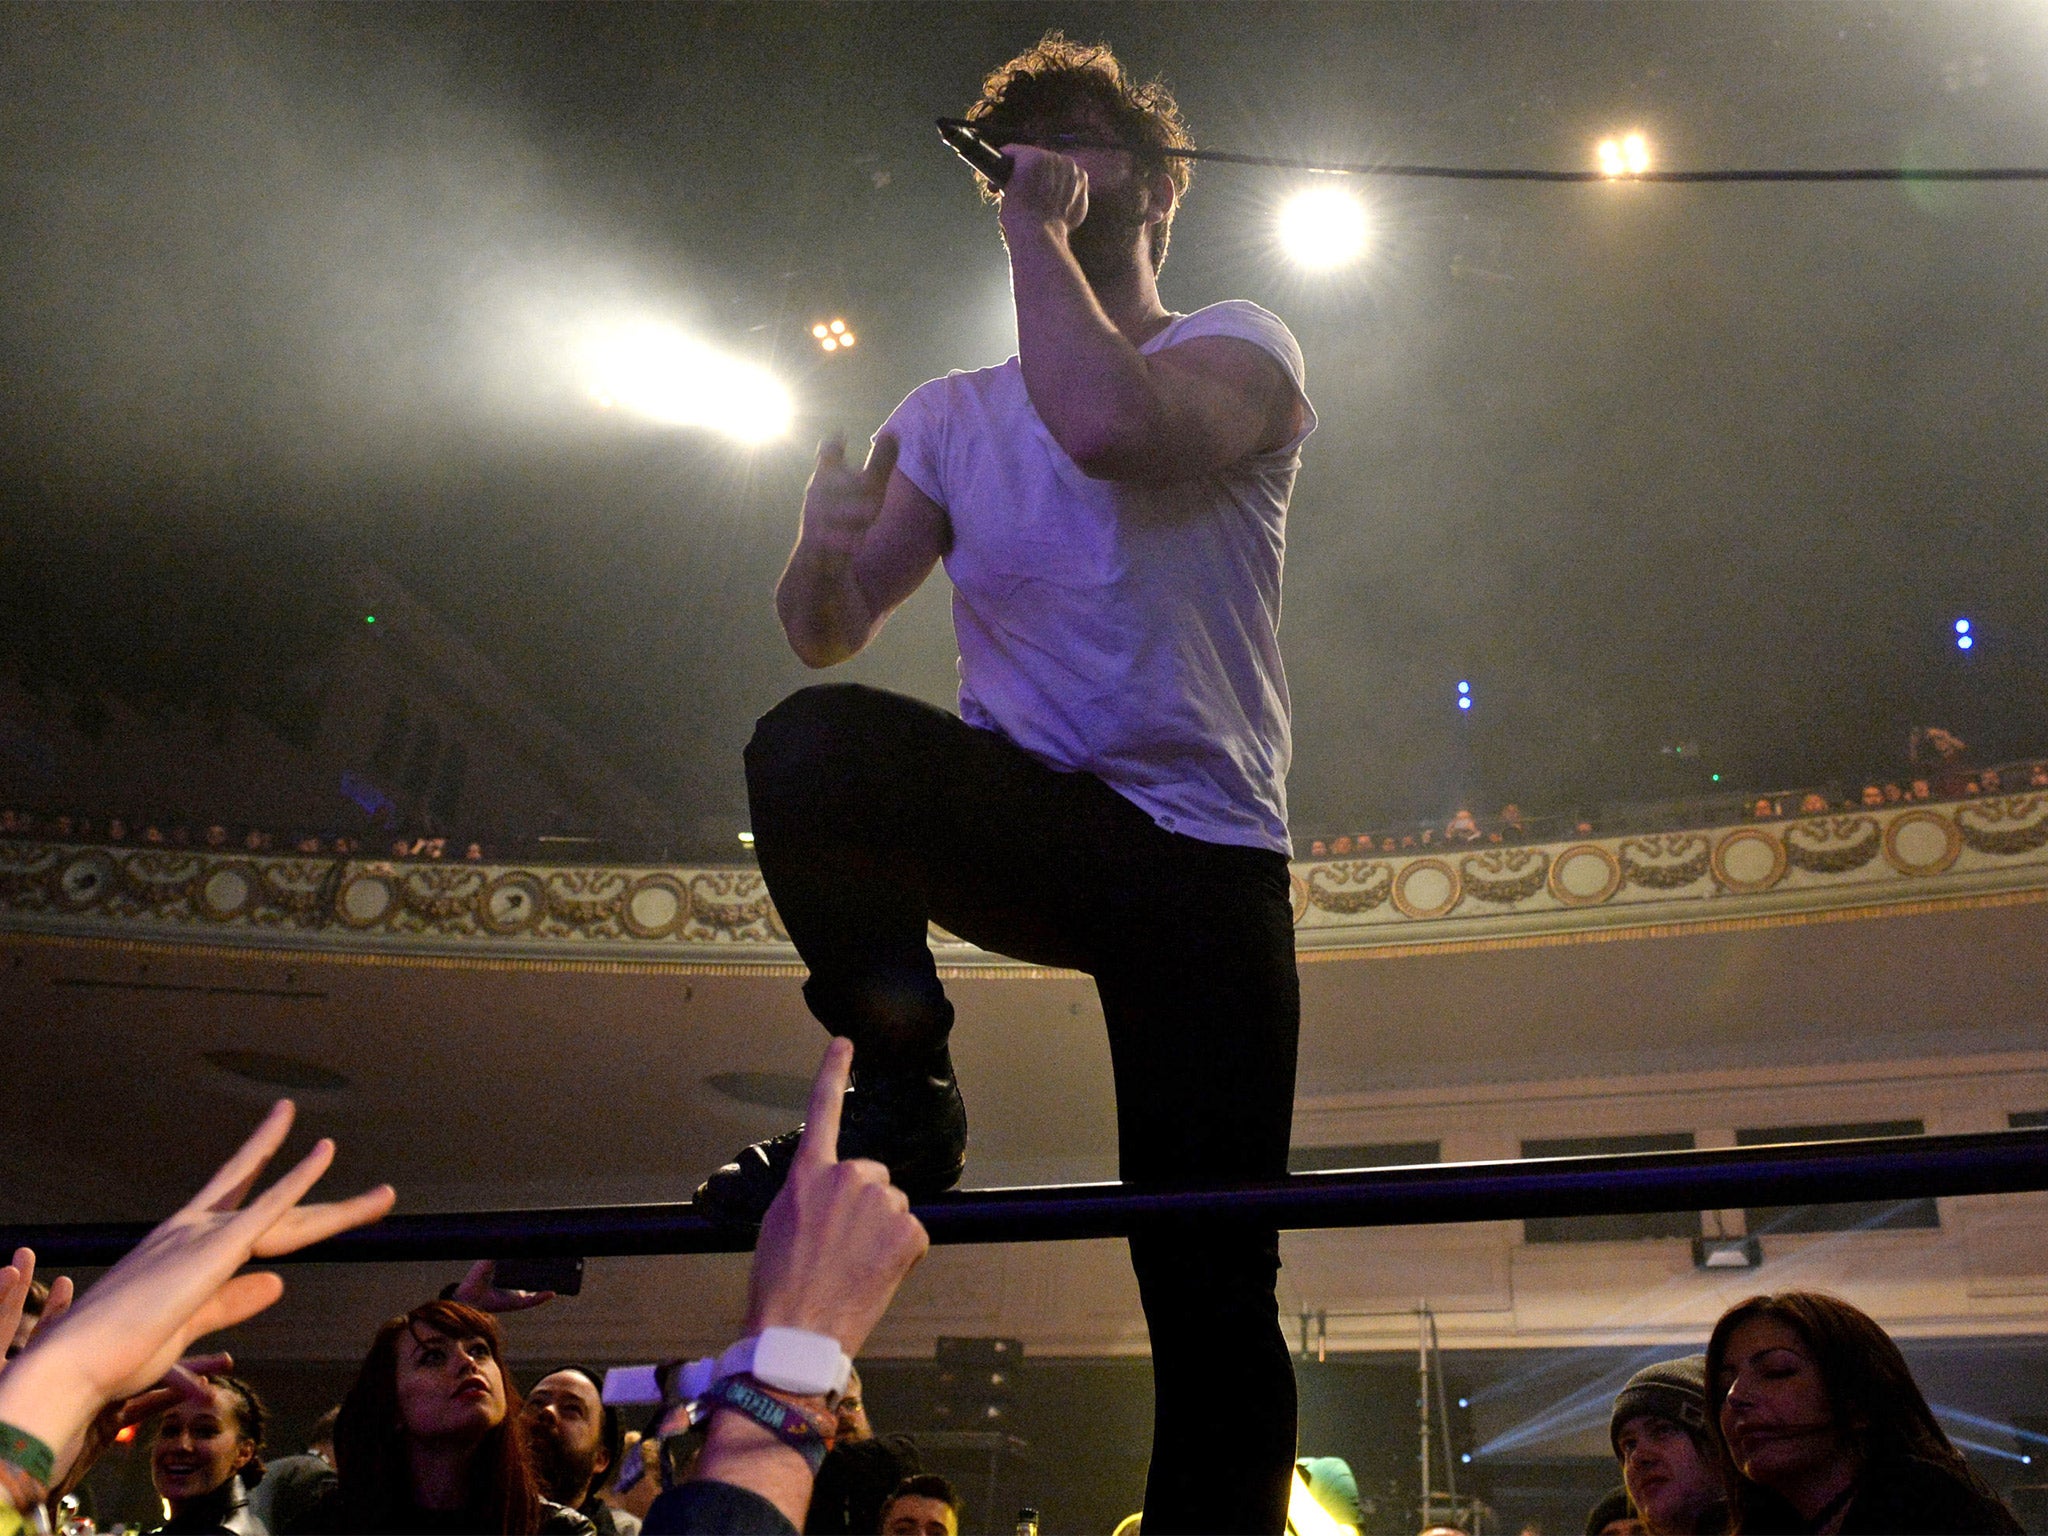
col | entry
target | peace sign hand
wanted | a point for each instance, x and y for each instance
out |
(179, 1282)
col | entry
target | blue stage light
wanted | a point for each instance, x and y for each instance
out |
(1464, 687)
(1962, 626)
(1964, 642)
(1464, 703)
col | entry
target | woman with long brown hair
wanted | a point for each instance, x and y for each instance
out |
(429, 1439)
(1821, 1428)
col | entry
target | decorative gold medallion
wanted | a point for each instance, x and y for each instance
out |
(1749, 859)
(1584, 875)
(1426, 888)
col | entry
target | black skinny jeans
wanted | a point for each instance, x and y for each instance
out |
(873, 813)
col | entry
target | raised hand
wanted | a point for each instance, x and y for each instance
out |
(480, 1289)
(127, 1331)
(841, 503)
(185, 1381)
(15, 1281)
(840, 1238)
(1045, 187)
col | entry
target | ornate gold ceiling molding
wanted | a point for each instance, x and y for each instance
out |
(1835, 868)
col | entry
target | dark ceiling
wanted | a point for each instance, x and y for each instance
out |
(1650, 466)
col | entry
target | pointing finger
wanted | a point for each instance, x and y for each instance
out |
(820, 1143)
(832, 452)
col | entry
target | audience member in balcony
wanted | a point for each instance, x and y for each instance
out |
(117, 1347)
(1822, 1428)
(923, 1505)
(205, 1453)
(576, 1442)
(1669, 1462)
(1463, 827)
(429, 1438)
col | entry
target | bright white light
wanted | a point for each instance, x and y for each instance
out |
(1464, 688)
(1962, 626)
(1464, 703)
(655, 371)
(1626, 156)
(1964, 642)
(1322, 228)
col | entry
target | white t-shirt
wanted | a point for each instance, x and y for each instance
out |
(1125, 630)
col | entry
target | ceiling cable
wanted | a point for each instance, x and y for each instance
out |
(972, 147)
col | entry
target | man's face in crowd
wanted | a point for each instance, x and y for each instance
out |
(1670, 1481)
(916, 1515)
(852, 1413)
(565, 1430)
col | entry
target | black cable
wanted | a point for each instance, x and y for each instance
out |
(951, 128)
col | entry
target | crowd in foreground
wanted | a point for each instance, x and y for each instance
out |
(1801, 1415)
(433, 1436)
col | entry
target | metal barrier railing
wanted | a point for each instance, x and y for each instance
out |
(1805, 1173)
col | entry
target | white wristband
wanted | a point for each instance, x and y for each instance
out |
(787, 1359)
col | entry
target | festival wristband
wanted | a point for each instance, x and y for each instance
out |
(19, 1448)
(806, 1433)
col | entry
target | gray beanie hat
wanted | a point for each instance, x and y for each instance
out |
(1671, 1389)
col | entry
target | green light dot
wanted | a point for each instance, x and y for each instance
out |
(1717, 778)
(369, 618)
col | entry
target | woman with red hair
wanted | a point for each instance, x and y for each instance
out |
(429, 1439)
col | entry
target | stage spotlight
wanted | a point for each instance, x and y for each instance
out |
(832, 335)
(1964, 642)
(1322, 228)
(1628, 155)
(655, 371)
(1962, 626)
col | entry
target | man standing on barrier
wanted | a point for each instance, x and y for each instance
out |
(1110, 505)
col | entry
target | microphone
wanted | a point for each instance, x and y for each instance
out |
(967, 142)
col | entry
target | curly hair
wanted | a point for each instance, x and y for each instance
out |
(1060, 81)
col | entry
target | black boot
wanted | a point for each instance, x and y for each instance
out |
(913, 1121)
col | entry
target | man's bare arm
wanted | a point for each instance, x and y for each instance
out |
(1121, 414)
(868, 539)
